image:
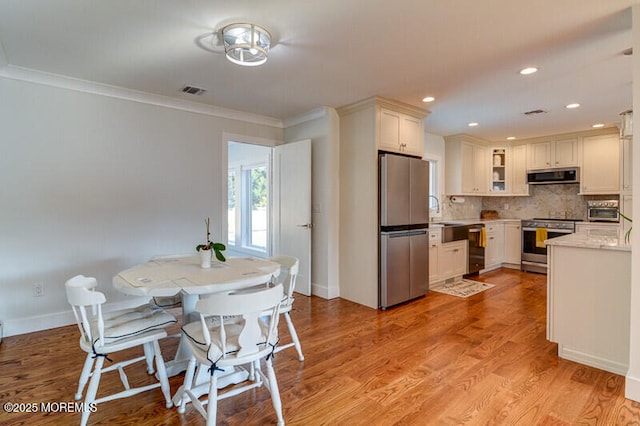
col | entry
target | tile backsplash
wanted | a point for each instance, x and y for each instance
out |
(559, 200)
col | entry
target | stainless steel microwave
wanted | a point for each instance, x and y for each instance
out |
(602, 211)
(547, 176)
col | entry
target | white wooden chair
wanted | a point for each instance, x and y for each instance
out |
(288, 273)
(102, 334)
(230, 333)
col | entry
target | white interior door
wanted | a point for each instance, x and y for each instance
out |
(292, 207)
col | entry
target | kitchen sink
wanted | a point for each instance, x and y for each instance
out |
(452, 231)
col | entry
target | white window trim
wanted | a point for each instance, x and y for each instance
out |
(439, 191)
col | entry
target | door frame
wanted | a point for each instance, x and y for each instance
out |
(224, 176)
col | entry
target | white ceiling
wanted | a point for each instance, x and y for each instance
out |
(466, 53)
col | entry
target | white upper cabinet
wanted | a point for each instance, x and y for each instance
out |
(401, 133)
(600, 173)
(517, 171)
(557, 153)
(466, 166)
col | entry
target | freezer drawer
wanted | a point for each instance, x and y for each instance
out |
(404, 266)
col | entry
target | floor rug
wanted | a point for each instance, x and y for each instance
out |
(462, 288)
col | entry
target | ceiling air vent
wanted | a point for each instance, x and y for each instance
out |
(535, 111)
(192, 90)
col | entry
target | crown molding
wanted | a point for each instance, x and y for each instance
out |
(55, 80)
(308, 116)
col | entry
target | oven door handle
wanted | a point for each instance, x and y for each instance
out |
(557, 231)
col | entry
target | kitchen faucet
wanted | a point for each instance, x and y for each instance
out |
(437, 203)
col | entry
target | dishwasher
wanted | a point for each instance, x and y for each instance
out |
(476, 248)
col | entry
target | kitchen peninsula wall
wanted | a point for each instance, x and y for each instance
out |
(543, 200)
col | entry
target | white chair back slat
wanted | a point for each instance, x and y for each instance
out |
(289, 267)
(250, 307)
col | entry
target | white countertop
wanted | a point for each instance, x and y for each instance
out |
(471, 221)
(606, 239)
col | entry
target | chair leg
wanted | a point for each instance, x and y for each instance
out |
(92, 390)
(188, 383)
(294, 335)
(148, 354)
(162, 374)
(275, 393)
(84, 376)
(212, 409)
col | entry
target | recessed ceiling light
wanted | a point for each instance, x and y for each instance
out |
(510, 138)
(598, 125)
(428, 99)
(571, 106)
(528, 70)
(473, 124)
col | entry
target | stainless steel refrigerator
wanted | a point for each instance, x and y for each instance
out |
(404, 229)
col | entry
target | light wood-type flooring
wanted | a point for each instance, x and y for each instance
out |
(439, 360)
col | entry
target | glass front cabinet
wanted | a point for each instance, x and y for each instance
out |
(498, 171)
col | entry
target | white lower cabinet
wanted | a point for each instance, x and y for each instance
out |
(494, 251)
(435, 237)
(452, 259)
(512, 243)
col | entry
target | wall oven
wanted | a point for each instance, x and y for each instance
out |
(534, 257)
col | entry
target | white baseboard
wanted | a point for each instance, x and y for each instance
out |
(324, 291)
(632, 388)
(592, 361)
(16, 326)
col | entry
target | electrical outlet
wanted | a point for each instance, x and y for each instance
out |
(38, 289)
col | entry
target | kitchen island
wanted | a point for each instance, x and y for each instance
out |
(588, 294)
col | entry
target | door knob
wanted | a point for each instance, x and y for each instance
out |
(306, 225)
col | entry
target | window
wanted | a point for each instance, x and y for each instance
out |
(435, 181)
(248, 198)
(254, 212)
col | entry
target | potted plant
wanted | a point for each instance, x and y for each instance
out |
(210, 247)
(627, 235)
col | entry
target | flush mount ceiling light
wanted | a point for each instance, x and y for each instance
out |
(246, 44)
(598, 125)
(428, 99)
(528, 70)
(571, 106)
(511, 138)
(472, 124)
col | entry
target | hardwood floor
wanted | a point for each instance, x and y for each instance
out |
(439, 360)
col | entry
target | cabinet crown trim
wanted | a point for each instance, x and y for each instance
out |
(379, 101)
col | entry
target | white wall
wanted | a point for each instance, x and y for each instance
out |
(632, 383)
(92, 184)
(323, 129)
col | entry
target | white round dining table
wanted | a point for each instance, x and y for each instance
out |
(171, 275)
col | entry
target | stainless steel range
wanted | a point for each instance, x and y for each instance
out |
(534, 256)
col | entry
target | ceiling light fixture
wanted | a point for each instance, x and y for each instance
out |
(473, 124)
(571, 106)
(246, 44)
(511, 138)
(597, 125)
(528, 70)
(428, 99)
